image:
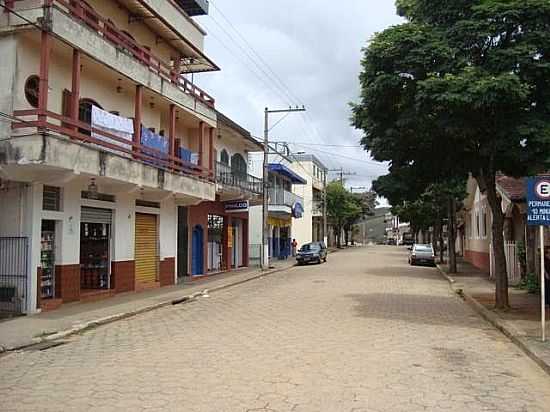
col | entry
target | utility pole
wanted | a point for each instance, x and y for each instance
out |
(325, 222)
(342, 174)
(264, 253)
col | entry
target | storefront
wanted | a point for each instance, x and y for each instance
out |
(146, 251)
(95, 249)
(219, 233)
(279, 238)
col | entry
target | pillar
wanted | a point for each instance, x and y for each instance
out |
(227, 249)
(201, 143)
(172, 132)
(211, 151)
(138, 107)
(45, 50)
(246, 258)
(75, 90)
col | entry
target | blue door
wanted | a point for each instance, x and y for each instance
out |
(197, 252)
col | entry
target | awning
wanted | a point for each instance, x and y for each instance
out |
(285, 171)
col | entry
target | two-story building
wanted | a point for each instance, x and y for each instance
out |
(219, 228)
(103, 137)
(309, 228)
(284, 207)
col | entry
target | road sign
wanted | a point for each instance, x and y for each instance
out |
(538, 214)
(538, 201)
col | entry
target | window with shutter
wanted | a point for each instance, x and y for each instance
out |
(51, 198)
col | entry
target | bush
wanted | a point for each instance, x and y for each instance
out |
(530, 283)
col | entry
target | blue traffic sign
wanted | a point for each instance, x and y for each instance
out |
(538, 201)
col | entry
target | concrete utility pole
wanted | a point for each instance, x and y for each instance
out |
(264, 253)
(342, 174)
(325, 222)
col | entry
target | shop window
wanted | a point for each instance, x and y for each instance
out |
(51, 198)
(224, 157)
(32, 88)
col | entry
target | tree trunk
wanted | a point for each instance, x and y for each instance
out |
(346, 236)
(451, 235)
(488, 183)
(338, 237)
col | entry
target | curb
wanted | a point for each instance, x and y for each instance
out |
(518, 337)
(125, 315)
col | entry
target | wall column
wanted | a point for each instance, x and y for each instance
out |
(211, 151)
(227, 250)
(45, 50)
(75, 91)
(201, 144)
(138, 107)
(172, 133)
(246, 258)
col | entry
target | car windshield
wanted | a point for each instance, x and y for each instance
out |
(423, 248)
(310, 247)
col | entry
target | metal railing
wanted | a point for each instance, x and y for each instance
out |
(104, 27)
(227, 176)
(13, 274)
(282, 197)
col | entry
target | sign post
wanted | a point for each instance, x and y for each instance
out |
(538, 214)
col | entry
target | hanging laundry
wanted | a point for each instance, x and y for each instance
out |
(117, 125)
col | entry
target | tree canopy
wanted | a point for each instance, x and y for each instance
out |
(463, 86)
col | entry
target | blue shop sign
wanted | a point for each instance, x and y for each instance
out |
(236, 207)
(538, 201)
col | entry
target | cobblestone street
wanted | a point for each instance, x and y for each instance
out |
(363, 332)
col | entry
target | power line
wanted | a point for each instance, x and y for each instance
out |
(374, 163)
(318, 144)
(284, 86)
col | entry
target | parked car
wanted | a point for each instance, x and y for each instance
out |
(312, 252)
(422, 254)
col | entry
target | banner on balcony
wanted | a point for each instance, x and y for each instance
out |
(236, 207)
(111, 123)
(297, 210)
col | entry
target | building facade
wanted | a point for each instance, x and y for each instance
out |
(309, 228)
(284, 208)
(218, 230)
(106, 139)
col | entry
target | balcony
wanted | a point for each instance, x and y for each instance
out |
(235, 183)
(82, 27)
(47, 142)
(317, 207)
(283, 203)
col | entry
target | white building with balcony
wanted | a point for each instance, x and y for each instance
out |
(310, 227)
(284, 208)
(105, 136)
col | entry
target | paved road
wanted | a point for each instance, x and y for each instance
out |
(363, 332)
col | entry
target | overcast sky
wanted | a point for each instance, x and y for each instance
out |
(314, 48)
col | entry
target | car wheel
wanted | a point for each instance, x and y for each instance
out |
(325, 260)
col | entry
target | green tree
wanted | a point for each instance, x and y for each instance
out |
(342, 208)
(463, 83)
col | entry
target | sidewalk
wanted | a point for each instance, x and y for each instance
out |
(521, 323)
(17, 333)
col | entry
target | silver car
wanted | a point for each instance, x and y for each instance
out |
(422, 255)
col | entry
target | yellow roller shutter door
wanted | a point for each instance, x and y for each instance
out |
(146, 248)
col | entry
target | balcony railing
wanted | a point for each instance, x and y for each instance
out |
(226, 176)
(49, 122)
(104, 27)
(280, 197)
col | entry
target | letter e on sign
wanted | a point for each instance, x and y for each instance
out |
(543, 189)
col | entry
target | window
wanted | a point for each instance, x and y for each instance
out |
(224, 157)
(238, 165)
(51, 198)
(85, 113)
(32, 88)
(477, 225)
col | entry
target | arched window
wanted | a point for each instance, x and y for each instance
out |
(32, 88)
(238, 165)
(85, 113)
(224, 157)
